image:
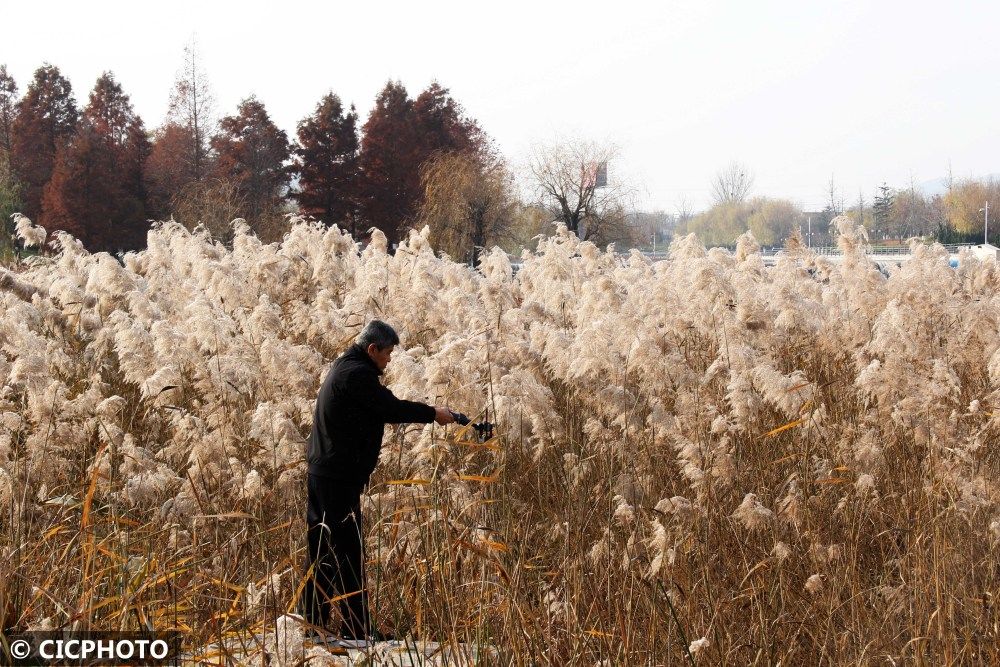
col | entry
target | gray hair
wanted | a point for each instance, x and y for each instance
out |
(379, 333)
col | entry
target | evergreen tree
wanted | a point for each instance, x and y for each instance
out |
(8, 104)
(327, 164)
(882, 208)
(45, 119)
(10, 189)
(251, 152)
(10, 201)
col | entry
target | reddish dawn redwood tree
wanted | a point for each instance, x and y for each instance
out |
(168, 171)
(390, 160)
(399, 136)
(79, 198)
(136, 153)
(45, 119)
(96, 192)
(251, 153)
(326, 161)
(442, 123)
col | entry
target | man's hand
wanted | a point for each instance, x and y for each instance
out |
(443, 416)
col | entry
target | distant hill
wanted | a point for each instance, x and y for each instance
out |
(939, 186)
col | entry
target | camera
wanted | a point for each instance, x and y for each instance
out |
(484, 429)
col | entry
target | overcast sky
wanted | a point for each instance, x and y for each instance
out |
(796, 90)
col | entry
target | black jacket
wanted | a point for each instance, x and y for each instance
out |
(351, 412)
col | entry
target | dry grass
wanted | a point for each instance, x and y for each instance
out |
(582, 537)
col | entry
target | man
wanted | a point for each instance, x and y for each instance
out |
(351, 412)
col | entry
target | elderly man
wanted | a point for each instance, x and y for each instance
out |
(351, 412)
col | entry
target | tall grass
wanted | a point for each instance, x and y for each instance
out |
(702, 461)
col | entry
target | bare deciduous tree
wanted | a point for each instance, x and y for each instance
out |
(732, 184)
(468, 203)
(565, 179)
(192, 105)
(834, 202)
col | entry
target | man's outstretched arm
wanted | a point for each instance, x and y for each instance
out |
(392, 410)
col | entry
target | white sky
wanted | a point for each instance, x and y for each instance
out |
(797, 90)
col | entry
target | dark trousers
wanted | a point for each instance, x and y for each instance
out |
(336, 555)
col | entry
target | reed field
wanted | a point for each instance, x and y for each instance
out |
(698, 461)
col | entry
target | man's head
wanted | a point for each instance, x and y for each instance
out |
(378, 339)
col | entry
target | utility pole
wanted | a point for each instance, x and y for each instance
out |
(986, 222)
(809, 234)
